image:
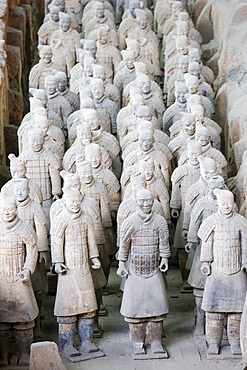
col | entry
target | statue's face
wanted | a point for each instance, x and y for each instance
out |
(8, 211)
(61, 5)
(94, 158)
(50, 87)
(183, 66)
(65, 24)
(145, 203)
(43, 126)
(46, 56)
(203, 139)
(180, 96)
(91, 47)
(145, 87)
(189, 127)
(192, 86)
(98, 90)
(136, 49)
(146, 142)
(73, 203)
(85, 137)
(103, 37)
(207, 173)
(195, 71)
(88, 70)
(62, 84)
(199, 116)
(93, 121)
(193, 156)
(182, 47)
(36, 142)
(142, 22)
(183, 31)
(75, 183)
(54, 16)
(86, 175)
(21, 191)
(17, 171)
(100, 11)
(148, 170)
(225, 205)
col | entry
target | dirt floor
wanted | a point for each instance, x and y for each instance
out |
(184, 352)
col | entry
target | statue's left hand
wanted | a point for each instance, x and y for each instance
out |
(24, 275)
(164, 264)
(95, 263)
(44, 256)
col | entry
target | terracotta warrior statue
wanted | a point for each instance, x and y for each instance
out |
(146, 148)
(207, 73)
(18, 256)
(142, 29)
(205, 207)
(224, 264)
(104, 104)
(18, 170)
(56, 102)
(63, 89)
(107, 54)
(72, 251)
(100, 19)
(46, 29)
(126, 74)
(183, 177)
(33, 213)
(83, 137)
(204, 88)
(183, 64)
(63, 7)
(202, 135)
(42, 166)
(172, 114)
(65, 43)
(45, 65)
(144, 320)
(179, 144)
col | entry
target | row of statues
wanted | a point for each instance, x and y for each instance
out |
(118, 149)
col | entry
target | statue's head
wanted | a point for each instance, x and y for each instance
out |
(8, 208)
(133, 45)
(84, 170)
(90, 46)
(45, 53)
(189, 123)
(103, 34)
(50, 83)
(144, 83)
(64, 21)
(145, 140)
(194, 150)
(84, 133)
(62, 80)
(98, 71)
(17, 166)
(208, 168)
(147, 167)
(183, 63)
(181, 43)
(144, 200)
(216, 182)
(99, 9)
(72, 199)
(91, 118)
(54, 12)
(35, 139)
(21, 189)
(225, 200)
(143, 112)
(93, 155)
(70, 179)
(41, 123)
(141, 18)
(192, 83)
(195, 69)
(180, 92)
(198, 111)
(128, 58)
(202, 134)
(98, 88)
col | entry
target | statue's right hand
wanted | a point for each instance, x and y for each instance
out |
(188, 247)
(121, 271)
(60, 268)
(185, 234)
(175, 213)
(205, 269)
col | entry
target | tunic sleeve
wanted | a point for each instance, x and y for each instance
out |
(57, 240)
(30, 240)
(164, 247)
(92, 246)
(125, 239)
